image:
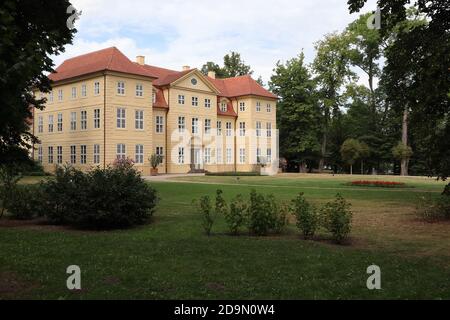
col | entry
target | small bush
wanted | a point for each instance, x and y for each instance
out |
(434, 209)
(207, 214)
(235, 217)
(264, 215)
(221, 205)
(337, 218)
(280, 219)
(306, 215)
(25, 202)
(115, 197)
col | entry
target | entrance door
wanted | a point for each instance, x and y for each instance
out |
(198, 163)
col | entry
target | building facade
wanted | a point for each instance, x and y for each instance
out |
(103, 106)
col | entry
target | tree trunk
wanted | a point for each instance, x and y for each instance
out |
(302, 167)
(351, 169)
(404, 161)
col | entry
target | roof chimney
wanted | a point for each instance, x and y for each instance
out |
(140, 60)
(185, 68)
(212, 74)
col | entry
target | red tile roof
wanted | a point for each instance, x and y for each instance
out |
(160, 100)
(230, 110)
(241, 86)
(110, 59)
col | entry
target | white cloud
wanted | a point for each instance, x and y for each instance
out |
(196, 31)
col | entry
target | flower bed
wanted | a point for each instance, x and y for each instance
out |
(382, 184)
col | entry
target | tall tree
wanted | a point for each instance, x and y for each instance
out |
(416, 73)
(233, 66)
(30, 32)
(298, 114)
(332, 69)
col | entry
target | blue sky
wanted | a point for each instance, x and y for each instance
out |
(173, 33)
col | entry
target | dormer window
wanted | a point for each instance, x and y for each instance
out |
(154, 97)
(223, 107)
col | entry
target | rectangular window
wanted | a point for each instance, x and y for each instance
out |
(207, 103)
(258, 155)
(139, 120)
(242, 129)
(180, 155)
(40, 154)
(153, 97)
(121, 151)
(160, 151)
(181, 124)
(83, 90)
(180, 99)
(258, 128)
(74, 92)
(207, 155)
(223, 107)
(229, 155)
(194, 125)
(60, 95)
(40, 124)
(121, 118)
(242, 106)
(50, 155)
(269, 107)
(258, 106)
(159, 124)
(219, 128)
(228, 129)
(83, 120)
(139, 157)
(269, 129)
(96, 153)
(73, 154)
(97, 88)
(60, 122)
(73, 121)
(207, 126)
(269, 155)
(219, 155)
(96, 118)
(50, 96)
(195, 101)
(50, 123)
(120, 87)
(59, 154)
(139, 90)
(83, 154)
(242, 155)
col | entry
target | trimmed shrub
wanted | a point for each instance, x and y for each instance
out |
(306, 215)
(207, 214)
(25, 202)
(434, 209)
(337, 218)
(221, 205)
(264, 215)
(235, 217)
(115, 197)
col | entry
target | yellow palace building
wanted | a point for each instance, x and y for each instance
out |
(103, 106)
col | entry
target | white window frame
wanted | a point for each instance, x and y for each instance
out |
(241, 155)
(60, 122)
(139, 119)
(269, 129)
(50, 123)
(258, 106)
(207, 155)
(50, 96)
(139, 154)
(40, 124)
(83, 90)
(208, 103)
(73, 154)
(181, 99)
(195, 101)
(180, 155)
(219, 156)
(242, 106)
(194, 126)
(73, 121)
(50, 155)
(223, 107)
(96, 88)
(159, 127)
(96, 118)
(242, 129)
(207, 126)
(83, 120)
(96, 153)
(59, 154)
(219, 128)
(74, 92)
(60, 95)
(159, 151)
(40, 154)
(269, 107)
(229, 129)
(181, 124)
(139, 90)
(258, 128)
(120, 88)
(83, 154)
(121, 117)
(269, 155)
(121, 151)
(229, 158)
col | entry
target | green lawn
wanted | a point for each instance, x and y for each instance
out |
(171, 258)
